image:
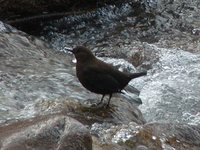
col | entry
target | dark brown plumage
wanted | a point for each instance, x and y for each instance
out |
(98, 76)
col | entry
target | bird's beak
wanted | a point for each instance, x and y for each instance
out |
(69, 49)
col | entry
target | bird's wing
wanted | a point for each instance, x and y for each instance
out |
(100, 81)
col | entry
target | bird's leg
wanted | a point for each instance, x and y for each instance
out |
(101, 99)
(110, 96)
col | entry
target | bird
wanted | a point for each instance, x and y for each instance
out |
(99, 77)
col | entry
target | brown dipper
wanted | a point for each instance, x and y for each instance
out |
(98, 76)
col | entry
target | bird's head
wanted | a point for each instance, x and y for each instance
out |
(82, 53)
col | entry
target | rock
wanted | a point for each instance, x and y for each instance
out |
(150, 136)
(37, 81)
(97, 145)
(120, 111)
(127, 137)
(177, 136)
(45, 132)
(26, 65)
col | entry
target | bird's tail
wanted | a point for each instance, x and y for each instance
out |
(139, 74)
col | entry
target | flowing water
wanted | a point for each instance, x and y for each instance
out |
(170, 92)
(159, 36)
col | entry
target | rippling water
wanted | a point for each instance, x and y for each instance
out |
(167, 44)
(170, 92)
(106, 26)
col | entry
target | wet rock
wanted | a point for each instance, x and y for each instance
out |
(98, 145)
(178, 136)
(126, 136)
(34, 78)
(152, 136)
(25, 65)
(120, 111)
(45, 132)
(37, 81)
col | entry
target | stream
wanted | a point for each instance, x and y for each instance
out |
(170, 92)
(162, 37)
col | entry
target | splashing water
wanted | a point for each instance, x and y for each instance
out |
(172, 92)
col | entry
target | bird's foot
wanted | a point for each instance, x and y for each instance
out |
(100, 104)
(96, 104)
(107, 105)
